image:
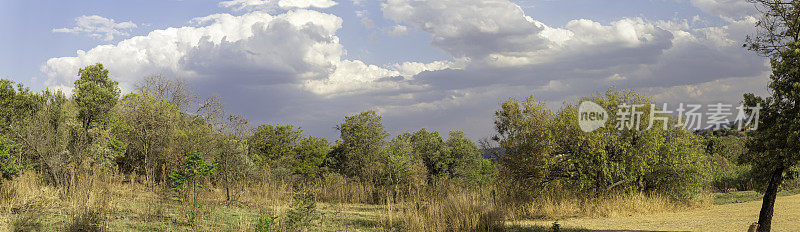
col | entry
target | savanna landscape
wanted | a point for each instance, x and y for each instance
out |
(156, 153)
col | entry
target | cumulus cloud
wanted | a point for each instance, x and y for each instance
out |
(290, 67)
(98, 27)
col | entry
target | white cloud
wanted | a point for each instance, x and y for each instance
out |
(293, 63)
(298, 47)
(734, 9)
(286, 4)
(98, 27)
(398, 30)
(271, 5)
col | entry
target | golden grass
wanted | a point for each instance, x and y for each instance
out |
(344, 205)
(555, 206)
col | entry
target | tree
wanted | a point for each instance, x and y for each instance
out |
(186, 181)
(362, 146)
(8, 164)
(16, 105)
(541, 148)
(174, 91)
(526, 141)
(430, 147)
(403, 166)
(775, 145)
(148, 127)
(467, 161)
(309, 155)
(272, 147)
(95, 93)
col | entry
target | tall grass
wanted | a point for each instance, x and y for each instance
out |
(440, 207)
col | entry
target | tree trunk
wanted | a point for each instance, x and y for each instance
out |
(768, 205)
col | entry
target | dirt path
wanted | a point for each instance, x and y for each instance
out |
(730, 217)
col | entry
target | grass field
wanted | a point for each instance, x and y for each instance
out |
(34, 206)
(725, 217)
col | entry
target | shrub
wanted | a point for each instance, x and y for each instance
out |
(303, 211)
(266, 223)
(86, 221)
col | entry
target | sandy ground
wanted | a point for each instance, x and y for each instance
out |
(729, 217)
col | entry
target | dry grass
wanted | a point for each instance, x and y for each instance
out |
(344, 205)
(728, 217)
(560, 206)
(454, 211)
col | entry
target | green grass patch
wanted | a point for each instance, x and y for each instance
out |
(746, 196)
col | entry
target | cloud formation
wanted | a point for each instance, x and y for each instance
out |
(98, 27)
(284, 64)
(272, 5)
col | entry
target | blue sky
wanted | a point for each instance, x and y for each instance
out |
(443, 65)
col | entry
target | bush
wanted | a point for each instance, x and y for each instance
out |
(303, 211)
(266, 223)
(86, 221)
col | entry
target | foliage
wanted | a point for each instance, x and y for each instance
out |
(266, 223)
(190, 175)
(403, 167)
(774, 148)
(284, 150)
(466, 161)
(186, 182)
(303, 211)
(95, 94)
(16, 105)
(546, 149)
(309, 155)
(8, 164)
(86, 221)
(360, 152)
(431, 148)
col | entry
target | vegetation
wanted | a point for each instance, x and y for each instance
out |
(774, 150)
(162, 158)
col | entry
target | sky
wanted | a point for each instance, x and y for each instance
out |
(442, 65)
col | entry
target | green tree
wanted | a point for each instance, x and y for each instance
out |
(774, 148)
(430, 147)
(542, 148)
(362, 146)
(309, 155)
(467, 162)
(148, 126)
(272, 146)
(95, 93)
(527, 143)
(16, 104)
(403, 166)
(187, 180)
(8, 164)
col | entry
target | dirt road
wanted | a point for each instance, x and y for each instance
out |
(729, 217)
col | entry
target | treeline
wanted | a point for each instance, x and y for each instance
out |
(162, 129)
(151, 133)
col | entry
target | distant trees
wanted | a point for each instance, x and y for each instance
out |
(409, 158)
(774, 146)
(284, 151)
(543, 149)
